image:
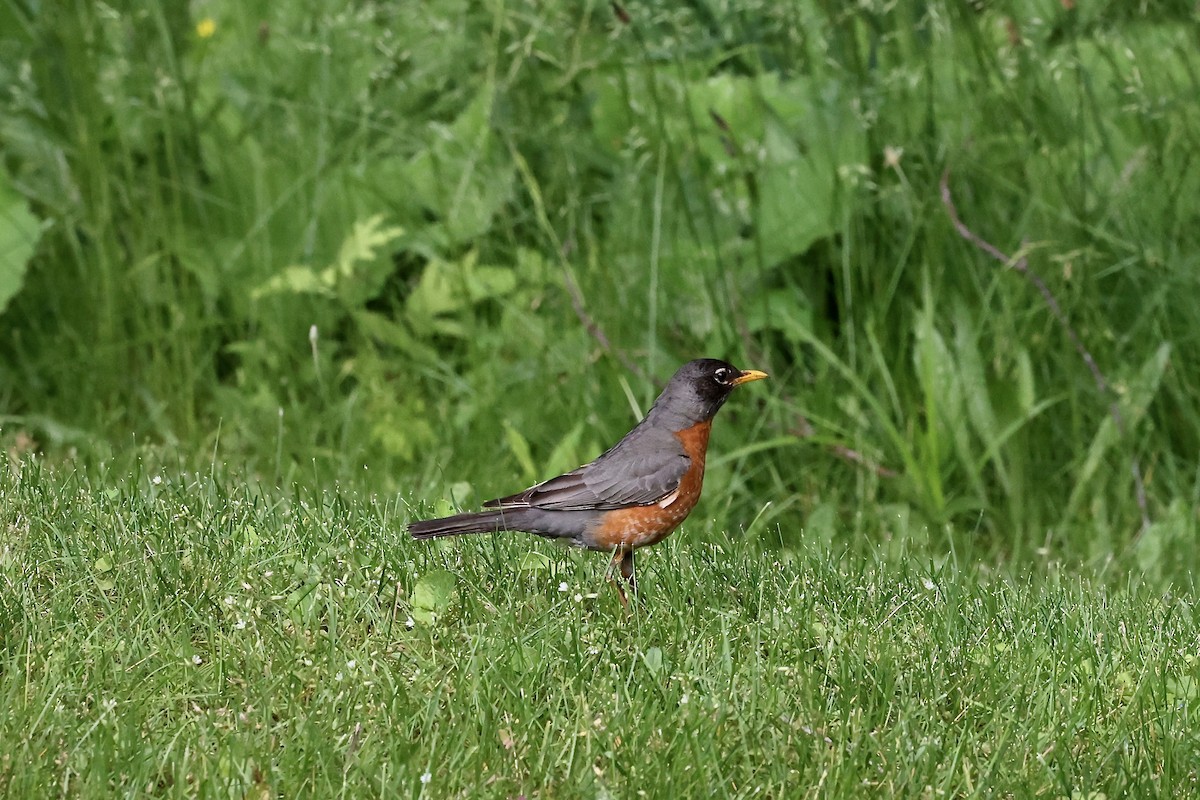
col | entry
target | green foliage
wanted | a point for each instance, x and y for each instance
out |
(18, 237)
(318, 241)
(432, 596)
(354, 277)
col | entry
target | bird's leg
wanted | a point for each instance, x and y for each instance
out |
(627, 571)
(622, 560)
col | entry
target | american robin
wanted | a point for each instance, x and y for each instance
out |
(634, 494)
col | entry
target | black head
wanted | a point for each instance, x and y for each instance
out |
(698, 390)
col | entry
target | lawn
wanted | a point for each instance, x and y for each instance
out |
(180, 635)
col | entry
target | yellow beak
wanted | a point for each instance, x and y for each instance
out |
(749, 375)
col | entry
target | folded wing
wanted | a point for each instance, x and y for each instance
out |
(644, 467)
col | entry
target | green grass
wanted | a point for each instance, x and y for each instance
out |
(269, 283)
(175, 635)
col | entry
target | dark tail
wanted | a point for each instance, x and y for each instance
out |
(483, 522)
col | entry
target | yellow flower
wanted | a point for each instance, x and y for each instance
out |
(206, 28)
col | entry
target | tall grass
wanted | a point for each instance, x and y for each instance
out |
(317, 243)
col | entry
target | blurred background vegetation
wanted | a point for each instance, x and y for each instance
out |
(364, 242)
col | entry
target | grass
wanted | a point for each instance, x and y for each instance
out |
(178, 635)
(353, 253)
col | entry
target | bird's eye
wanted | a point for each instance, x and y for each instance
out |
(723, 375)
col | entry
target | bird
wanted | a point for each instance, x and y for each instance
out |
(635, 493)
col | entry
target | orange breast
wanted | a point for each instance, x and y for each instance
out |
(638, 526)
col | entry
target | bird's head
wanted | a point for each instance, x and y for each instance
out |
(699, 388)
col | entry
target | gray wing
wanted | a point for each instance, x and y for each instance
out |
(644, 467)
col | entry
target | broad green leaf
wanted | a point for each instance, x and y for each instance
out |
(534, 562)
(941, 396)
(565, 455)
(976, 393)
(19, 234)
(524, 658)
(1183, 689)
(394, 334)
(1026, 390)
(444, 508)
(520, 450)
(465, 176)
(791, 143)
(795, 199)
(447, 288)
(1145, 386)
(462, 492)
(251, 539)
(305, 601)
(653, 659)
(432, 596)
(785, 310)
(1157, 543)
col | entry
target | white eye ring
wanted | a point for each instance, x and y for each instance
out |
(722, 375)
